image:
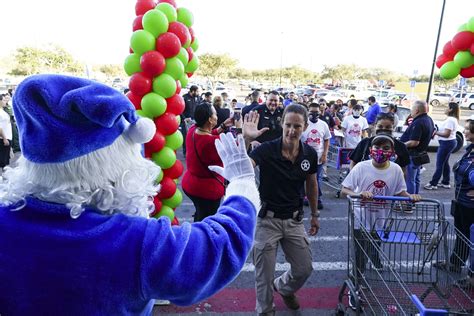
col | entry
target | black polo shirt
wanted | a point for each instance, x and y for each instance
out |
(281, 181)
(270, 120)
(421, 129)
(362, 152)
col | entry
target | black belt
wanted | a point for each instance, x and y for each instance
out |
(283, 215)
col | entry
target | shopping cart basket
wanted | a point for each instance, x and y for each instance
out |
(338, 163)
(390, 260)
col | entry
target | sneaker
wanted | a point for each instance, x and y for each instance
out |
(430, 187)
(443, 265)
(445, 186)
(408, 208)
(291, 301)
(352, 302)
(320, 205)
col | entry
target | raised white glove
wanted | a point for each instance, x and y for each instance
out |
(237, 164)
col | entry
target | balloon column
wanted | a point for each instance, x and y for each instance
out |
(161, 59)
(458, 54)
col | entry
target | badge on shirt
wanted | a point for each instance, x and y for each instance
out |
(305, 165)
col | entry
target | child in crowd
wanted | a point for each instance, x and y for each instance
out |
(354, 127)
(376, 177)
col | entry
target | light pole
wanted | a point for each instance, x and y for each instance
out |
(281, 55)
(435, 53)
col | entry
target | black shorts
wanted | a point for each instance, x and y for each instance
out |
(4, 154)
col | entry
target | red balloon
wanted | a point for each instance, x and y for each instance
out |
(156, 143)
(168, 44)
(467, 72)
(175, 171)
(142, 6)
(140, 84)
(172, 2)
(449, 51)
(153, 63)
(180, 30)
(166, 123)
(168, 188)
(190, 74)
(175, 221)
(191, 32)
(463, 40)
(175, 104)
(190, 53)
(178, 87)
(148, 153)
(441, 60)
(135, 99)
(158, 204)
(137, 23)
(472, 49)
(130, 50)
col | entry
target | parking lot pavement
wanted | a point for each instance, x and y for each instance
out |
(330, 252)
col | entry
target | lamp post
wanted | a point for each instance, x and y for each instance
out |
(435, 53)
(281, 55)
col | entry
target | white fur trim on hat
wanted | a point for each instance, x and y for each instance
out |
(142, 131)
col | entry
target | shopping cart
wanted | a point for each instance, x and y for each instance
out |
(338, 163)
(390, 260)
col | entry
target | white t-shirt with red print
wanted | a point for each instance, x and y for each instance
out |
(353, 130)
(382, 182)
(315, 135)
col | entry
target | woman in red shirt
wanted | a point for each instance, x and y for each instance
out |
(204, 187)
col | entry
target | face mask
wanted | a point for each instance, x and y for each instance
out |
(384, 131)
(313, 117)
(356, 113)
(380, 155)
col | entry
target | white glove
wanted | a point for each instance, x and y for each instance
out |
(237, 164)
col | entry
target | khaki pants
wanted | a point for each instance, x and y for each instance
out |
(291, 234)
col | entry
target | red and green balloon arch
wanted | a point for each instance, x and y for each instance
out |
(458, 54)
(161, 60)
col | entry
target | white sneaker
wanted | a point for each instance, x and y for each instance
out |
(445, 186)
(430, 187)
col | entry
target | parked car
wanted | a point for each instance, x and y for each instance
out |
(440, 99)
(404, 112)
(457, 97)
(467, 101)
(330, 95)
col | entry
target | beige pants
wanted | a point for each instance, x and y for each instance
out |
(291, 234)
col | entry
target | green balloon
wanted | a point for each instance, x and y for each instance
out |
(193, 64)
(166, 211)
(183, 56)
(184, 81)
(168, 10)
(463, 59)
(175, 140)
(142, 41)
(155, 22)
(449, 70)
(470, 24)
(132, 64)
(185, 16)
(178, 118)
(462, 28)
(143, 114)
(164, 85)
(165, 158)
(175, 200)
(153, 104)
(174, 67)
(195, 44)
(160, 176)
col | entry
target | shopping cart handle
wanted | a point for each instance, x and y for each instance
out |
(426, 311)
(382, 197)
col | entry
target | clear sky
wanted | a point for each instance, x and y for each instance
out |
(394, 34)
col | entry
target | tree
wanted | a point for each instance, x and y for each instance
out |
(111, 70)
(215, 66)
(341, 72)
(33, 60)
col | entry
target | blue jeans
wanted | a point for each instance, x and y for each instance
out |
(412, 178)
(319, 174)
(442, 161)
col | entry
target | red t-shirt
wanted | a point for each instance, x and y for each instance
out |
(198, 180)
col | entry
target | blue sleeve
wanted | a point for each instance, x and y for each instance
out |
(471, 178)
(186, 264)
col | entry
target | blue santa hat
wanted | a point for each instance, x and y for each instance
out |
(60, 118)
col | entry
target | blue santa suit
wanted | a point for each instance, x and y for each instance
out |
(51, 264)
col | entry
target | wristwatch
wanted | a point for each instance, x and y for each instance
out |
(315, 214)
